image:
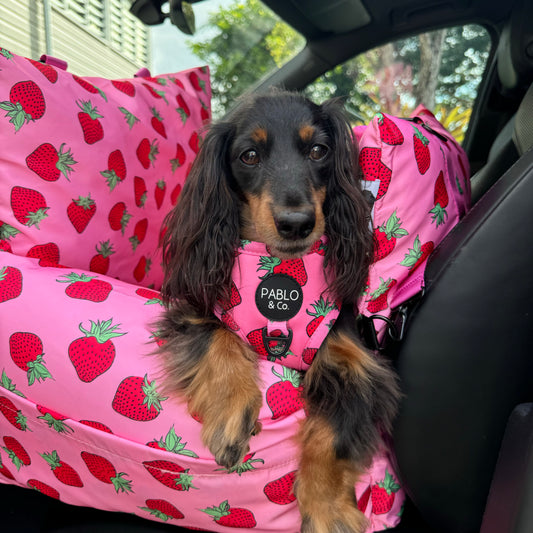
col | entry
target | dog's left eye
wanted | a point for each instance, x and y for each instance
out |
(318, 152)
(250, 157)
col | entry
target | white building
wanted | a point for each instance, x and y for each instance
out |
(95, 37)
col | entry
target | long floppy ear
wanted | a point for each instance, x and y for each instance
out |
(347, 211)
(203, 228)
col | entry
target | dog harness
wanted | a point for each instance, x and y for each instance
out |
(282, 308)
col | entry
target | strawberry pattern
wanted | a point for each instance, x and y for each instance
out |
(66, 236)
(402, 160)
(89, 160)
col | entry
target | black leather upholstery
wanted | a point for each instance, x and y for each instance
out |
(467, 357)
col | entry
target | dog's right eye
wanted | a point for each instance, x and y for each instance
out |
(250, 157)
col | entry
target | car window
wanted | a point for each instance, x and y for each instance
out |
(441, 69)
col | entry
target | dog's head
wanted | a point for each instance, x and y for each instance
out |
(278, 169)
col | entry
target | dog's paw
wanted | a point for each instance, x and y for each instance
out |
(228, 435)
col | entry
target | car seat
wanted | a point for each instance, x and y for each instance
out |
(465, 360)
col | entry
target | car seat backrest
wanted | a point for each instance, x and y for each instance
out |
(523, 124)
(465, 360)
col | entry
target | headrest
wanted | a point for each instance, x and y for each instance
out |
(523, 127)
(515, 51)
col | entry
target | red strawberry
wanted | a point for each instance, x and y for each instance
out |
(378, 298)
(151, 295)
(43, 488)
(388, 131)
(85, 287)
(383, 494)
(142, 268)
(175, 194)
(10, 283)
(7, 232)
(422, 155)
(48, 254)
(362, 502)
(246, 465)
(93, 354)
(440, 201)
(89, 87)
(88, 118)
(255, 338)
(49, 163)
(159, 192)
(26, 350)
(172, 443)
(183, 108)
(124, 86)
(172, 475)
(102, 469)
(139, 233)
(48, 71)
(205, 115)
(280, 491)
(318, 248)
(55, 421)
(137, 398)
(285, 397)
(16, 452)
(157, 123)
(140, 191)
(96, 425)
(321, 309)
(155, 93)
(374, 169)
(119, 217)
(417, 254)
(13, 415)
(194, 142)
(291, 267)
(179, 158)
(147, 152)
(29, 206)
(5, 471)
(162, 509)
(235, 298)
(116, 169)
(80, 212)
(385, 237)
(100, 262)
(62, 471)
(308, 355)
(228, 516)
(197, 83)
(26, 102)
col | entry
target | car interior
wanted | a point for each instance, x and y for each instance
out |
(464, 435)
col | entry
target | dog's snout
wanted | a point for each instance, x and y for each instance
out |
(294, 225)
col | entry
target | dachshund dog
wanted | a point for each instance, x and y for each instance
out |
(282, 171)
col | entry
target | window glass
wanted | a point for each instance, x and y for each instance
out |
(441, 69)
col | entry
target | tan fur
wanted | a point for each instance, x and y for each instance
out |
(306, 133)
(259, 135)
(325, 484)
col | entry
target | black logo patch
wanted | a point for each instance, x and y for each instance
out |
(279, 297)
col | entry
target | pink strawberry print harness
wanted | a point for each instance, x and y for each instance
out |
(282, 308)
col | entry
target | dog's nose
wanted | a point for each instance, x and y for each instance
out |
(295, 225)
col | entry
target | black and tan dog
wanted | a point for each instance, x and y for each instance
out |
(282, 171)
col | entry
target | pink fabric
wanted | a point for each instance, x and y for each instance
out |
(419, 176)
(89, 167)
(285, 297)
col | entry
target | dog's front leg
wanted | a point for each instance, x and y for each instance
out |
(216, 373)
(351, 397)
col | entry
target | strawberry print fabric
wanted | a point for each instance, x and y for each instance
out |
(89, 167)
(419, 177)
(122, 446)
(272, 298)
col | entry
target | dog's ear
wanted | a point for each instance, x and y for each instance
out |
(203, 229)
(347, 212)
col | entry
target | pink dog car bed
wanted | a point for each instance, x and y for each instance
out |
(88, 170)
